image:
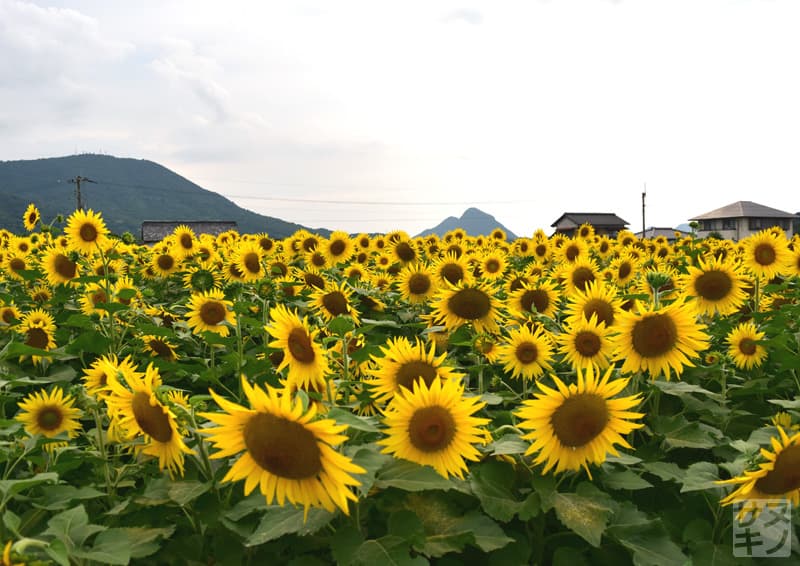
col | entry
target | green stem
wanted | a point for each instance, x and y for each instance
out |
(98, 423)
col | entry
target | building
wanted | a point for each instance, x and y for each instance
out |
(671, 234)
(156, 230)
(603, 223)
(738, 220)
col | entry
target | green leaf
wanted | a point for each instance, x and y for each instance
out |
(569, 556)
(251, 503)
(11, 520)
(700, 476)
(184, 492)
(57, 550)
(409, 476)
(646, 539)
(60, 496)
(491, 398)
(586, 517)
(786, 404)
(279, 521)
(386, 551)
(683, 388)
(488, 534)
(667, 471)
(89, 341)
(626, 479)
(407, 525)
(709, 554)
(508, 444)
(473, 528)
(110, 547)
(143, 541)
(72, 526)
(346, 543)
(370, 458)
(11, 487)
(490, 482)
(341, 416)
(680, 433)
(341, 325)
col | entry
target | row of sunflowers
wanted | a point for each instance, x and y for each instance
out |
(346, 399)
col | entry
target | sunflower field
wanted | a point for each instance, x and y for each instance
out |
(383, 399)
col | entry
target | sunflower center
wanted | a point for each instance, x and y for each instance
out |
(186, 241)
(165, 262)
(747, 346)
(64, 267)
(212, 312)
(282, 447)
(624, 270)
(600, 308)
(492, 266)
(88, 232)
(37, 338)
(32, 218)
(452, 272)
(785, 476)
(252, 262)
(161, 349)
(335, 303)
(572, 252)
(151, 419)
(764, 254)
(540, 250)
(49, 418)
(17, 264)
(470, 304)
(431, 429)
(587, 343)
(535, 300)
(654, 335)
(314, 280)
(317, 259)
(581, 277)
(278, 268)
(8, 316)
(527, 352)
(409, 372)
(713, 285)
(419, 284)
(300, 346)
(405, 252)
(337, 247)
(98, 297)
(579, 419)
(309, 244)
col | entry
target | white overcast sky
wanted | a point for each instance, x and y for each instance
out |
(373, 115)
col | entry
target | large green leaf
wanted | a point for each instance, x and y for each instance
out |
(409, 476)
(699, 476)
(386, 551)
(491, 483)
(625, 479)
(645, 538)
(585, 516)
(279, 521)
(11, 487)
(680, 433)
(110, 547)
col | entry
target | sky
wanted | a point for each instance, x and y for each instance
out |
(371, 116)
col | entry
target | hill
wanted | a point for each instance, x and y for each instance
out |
(127, 192)
(474, 222)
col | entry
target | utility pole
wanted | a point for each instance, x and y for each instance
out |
(644, 226)
(77, 182)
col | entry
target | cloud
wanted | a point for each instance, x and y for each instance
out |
(466, 15)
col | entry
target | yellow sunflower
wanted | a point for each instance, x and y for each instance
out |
(402, 364)
(137, 410)
(185, 242)
(405, 250)
(304, 356)
(624, 269)
(283, 449)
(31, 217)
(86, 231)
(578, 424)
(767, 255)
(434, 426)
(493, 265)
(744, 346)
(38, 327)
(338, 248)
(716, 286)
(93, 294)
(248, 258)
(58, 266)
(659, 340)
(164, 262)
(525, 353)
(332, 301)
(572, 250)
(531, 299)
(467, 303)
(104, 369)
(9, 315)
(452, 269)
(599, 299)
(777, 476)
(209, 311)
(159, 346)
(417, 283)
(49, 414)
(586, 343)
(15, 262)
(579, 274)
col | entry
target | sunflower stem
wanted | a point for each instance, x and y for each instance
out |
(98, 423)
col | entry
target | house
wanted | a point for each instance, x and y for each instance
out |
(738, 220)
(156, 230)
(671, 234)
(603, 223)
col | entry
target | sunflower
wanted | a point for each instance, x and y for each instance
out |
(138, 412)
(625, 269)
(58, 266)
(40, 294)
(586, 343)
(283, 449)
(49, 414)
(15, 262)
(578, 425)
(185, 242)
(332, 301)
(572, 250)
(86, 231)
(9, 315)
(777, 477)
(744, 346)
(305, 358)
(248, 258)
(160, 347)
(31, 217)
(124, 291)
(434, 426)
(599, 299)
(525, 353)
(578, 274)
(417, 283)
(94, 294)
(164, 261)
(767, 255)
(105, 267)
(452, 269)
(38, 328)
(311, 278)
(315, 259)
(405, 250)
(533, 298)
(105, 369)
(209, 311)
(716, 286)
(493, 265)
(402, 364)
(467, 303)
(338, 248)
(659, 340)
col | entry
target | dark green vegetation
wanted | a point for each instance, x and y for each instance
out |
(127, 192)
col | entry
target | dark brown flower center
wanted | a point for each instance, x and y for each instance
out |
(282, 447)
(186, 241)
(151, 419)
(419, 284)
(165, 262)
(64, 266)
(535, 300)
(785, 476)
(587, 343)
(8, 316)
(161, 349)
(309, 244)
(279, 268)
(409, 372)
(624, 270)
(713, 285)
(335, 303)
(600, 308)
(17, 264)
(572, 252)
(212, 312)
(453, 272)
(540, 250)
(300, 346)
(470, 304)
(431, 429)
(581, 277)
(491, 266)
(318, 260)
(314, 280)
(337, 247)
(579, 419)
(49, 418)
(405, 252)
(747, 346)
(88, 232)
(765, 254)
(654, 335)
(37, 338)
(526, 352)
(98, 296)
(252, 262)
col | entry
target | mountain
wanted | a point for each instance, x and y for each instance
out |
(126, 191)
(474, 222)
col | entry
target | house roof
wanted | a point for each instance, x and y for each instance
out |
(593, 218)
(655, 232)
(744, 209)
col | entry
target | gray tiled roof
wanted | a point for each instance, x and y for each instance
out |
(593, 218)
(744, 209)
